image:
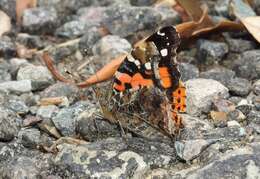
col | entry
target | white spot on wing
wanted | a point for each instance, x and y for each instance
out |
(164, 52)
(148, 66)
(161, 34)
(137, 63)
(130, 58)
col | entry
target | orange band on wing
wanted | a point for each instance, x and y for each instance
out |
(138, 80)
(165, 77)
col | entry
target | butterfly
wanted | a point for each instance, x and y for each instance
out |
(147, 88)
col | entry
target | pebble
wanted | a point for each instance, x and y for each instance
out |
(223, 75)
(111, 46)
(256, 87)
(5, 69)
(47, 112)
(40, 20)
(240, 45)
(211, 52)
(142, 2)
(233, 124)
(201, 93)
(71, 29)
(223, 105)
(19, 107)
(9, 125)
(30, 41)
(236, 115)
(29, 137)
(248, 66)
(61, 90)
(127, 20)
(40, 76)
(7, 47)
(188, 71)
(17, 87)
(239, 86)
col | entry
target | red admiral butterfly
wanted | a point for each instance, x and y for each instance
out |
(147, 86)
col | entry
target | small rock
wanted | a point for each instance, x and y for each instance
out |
(127, 20)
(210, 52)
(8, 7)
(46, 112)
(256, 87)
(16, 63)
(111, 46)
(189, 150)
(221, 8)
(168, 16)
(95, 16)
(30, 41)
(61, 90)
(248, 66)
(40, 20)
(223, 75)
(233, 124)
(18, 107)
(7, 47)
(5, 69)
(66, 119)
(31, 121)
(8, 125)
(256, 102)
(92, 129)
(71, 29)
(240, 45)
(142, 2)
(88, 41)
(236, 115)
(223, 105)
(188, 71)
(39, 76)
(219, 118)
(245, 108)
(235, 99)
(201, 93)
(30, 137)
(239, 86)
(17, 87)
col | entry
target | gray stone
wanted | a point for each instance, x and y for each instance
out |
(92, 129)
(71, 29)
(239, 86)
(30, 137)
(109, 2)
(248, 66)
(236, 115)
(5, 69)
(8, 7)
(240, 45)
(188, 71)
(256, 102)
(191, 149)
(221, 8)
(113, 158)
(60, 90)
(8, 124)
(7, 47)
(126, 20)
(18, 87)
(168, 16)
(223, 75)
(17, 106)
(111, 46)
(256, 87)
(40, 20)
(30, 41)
(142, 2)
(40, 76)
(66, 119)
(46, 112)
(201, 93)
(210, 52)
(16, 63)
(94, 16)
(88, 41)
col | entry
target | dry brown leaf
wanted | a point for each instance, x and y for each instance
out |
(105, 73)
(253, 26)
(51, 101)
(21, 5)
(5, 23)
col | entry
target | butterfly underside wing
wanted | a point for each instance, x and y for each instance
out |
(146, 94)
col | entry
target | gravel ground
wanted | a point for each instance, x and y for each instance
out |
(221, 138)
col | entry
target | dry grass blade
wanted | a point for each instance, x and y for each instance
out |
(5, 23)
(49, 63)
